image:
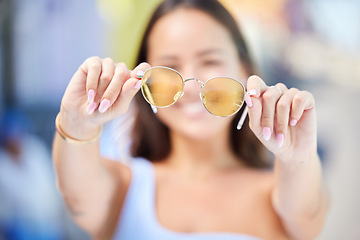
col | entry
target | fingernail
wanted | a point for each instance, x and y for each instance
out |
(266, 133)
(91, 96)
(138, 84)
(104, 105)
(293, 122)
(280, 139)
(140, 74)
(252, 92)
(91, 107)
(248, 101)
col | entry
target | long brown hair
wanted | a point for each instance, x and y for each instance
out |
(150, 137)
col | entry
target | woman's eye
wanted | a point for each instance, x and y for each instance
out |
(211, 63)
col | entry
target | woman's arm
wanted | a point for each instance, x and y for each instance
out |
(284, 120)
(98, 92)
(84, 182)
(300, 197)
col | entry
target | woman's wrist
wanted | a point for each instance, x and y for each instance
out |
(76, 132)
(294, 160)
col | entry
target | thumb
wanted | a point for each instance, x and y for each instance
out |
(130, 88)
(140, 69)
(255, 116)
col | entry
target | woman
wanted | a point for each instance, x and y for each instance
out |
(197, 176)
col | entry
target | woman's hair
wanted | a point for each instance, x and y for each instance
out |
(150, 137)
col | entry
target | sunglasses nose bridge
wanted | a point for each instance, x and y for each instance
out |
(196, 80)
(193, 79)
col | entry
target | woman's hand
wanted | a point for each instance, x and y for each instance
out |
(283, 119)
(99, 91)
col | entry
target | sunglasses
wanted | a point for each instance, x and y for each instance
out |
(221, 96)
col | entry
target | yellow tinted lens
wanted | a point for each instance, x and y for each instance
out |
(223, 96)
(161, 86)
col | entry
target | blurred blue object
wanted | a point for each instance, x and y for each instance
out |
(13, 125)
(29, 204)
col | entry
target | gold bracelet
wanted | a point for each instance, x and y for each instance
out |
(71, 140)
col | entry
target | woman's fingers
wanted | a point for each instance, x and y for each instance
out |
(103, 80)
(302, 101)
(107, 74)
(92, 69)
(270, 98)
(256, 86)
(130, 87)
(140, 69)
(121, 74)
(274, 109)
(99, 88)
(264, 100)
(283, 108)
(120, 90)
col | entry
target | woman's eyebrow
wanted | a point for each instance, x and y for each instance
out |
(199, 54)
(168, 58)
(210, 51)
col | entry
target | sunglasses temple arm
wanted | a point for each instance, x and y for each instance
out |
(242, 118)
(153, 108)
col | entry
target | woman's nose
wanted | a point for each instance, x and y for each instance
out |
(193, 85)
(192, 89)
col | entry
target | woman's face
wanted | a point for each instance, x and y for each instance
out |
(196, 45)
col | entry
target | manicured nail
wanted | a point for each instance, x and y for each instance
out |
(104, 105)
(91, 96)
(138, 84)
(248, 100)
(91, 107)
(293, 122)
(266, 133)
(140, 74)
(252, 92)
(280, 140)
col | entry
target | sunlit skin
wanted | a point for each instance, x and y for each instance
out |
(201, 186)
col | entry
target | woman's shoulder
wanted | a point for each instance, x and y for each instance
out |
(120, 172)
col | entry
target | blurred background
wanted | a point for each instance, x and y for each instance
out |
(309, 44)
